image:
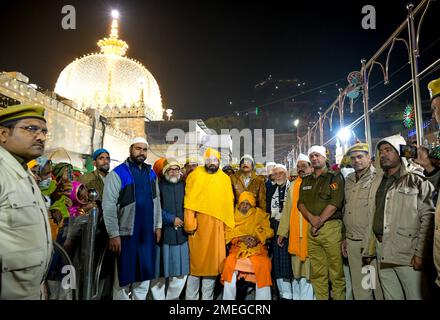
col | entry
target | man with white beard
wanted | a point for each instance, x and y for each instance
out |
(281, 264)
(175, 255)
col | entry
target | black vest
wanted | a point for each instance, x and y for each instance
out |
(171, 195)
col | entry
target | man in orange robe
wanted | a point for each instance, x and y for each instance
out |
(248, 257)
(295, 228)
(209, 206)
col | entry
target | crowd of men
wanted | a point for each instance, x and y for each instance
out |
(364, 231)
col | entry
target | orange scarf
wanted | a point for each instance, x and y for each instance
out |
(298, 226)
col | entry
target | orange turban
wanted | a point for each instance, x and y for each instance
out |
(249, 196)
(158, 166)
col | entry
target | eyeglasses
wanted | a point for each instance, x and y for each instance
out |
(35, 130)
(173, 169)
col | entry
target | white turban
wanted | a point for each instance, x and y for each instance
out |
(281, 166)
(317, 149)
(302, 157)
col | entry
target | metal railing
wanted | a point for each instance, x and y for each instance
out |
(412, 44)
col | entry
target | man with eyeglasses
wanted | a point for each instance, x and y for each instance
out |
(174, 246)
(25, 237)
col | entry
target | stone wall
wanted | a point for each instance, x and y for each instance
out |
(70, 128)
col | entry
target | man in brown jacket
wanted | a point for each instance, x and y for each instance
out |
(246, 179)
(401, 222)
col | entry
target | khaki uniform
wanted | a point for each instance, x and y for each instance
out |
(356, 223)
(407, 229)
(316, 193)
(25, 237)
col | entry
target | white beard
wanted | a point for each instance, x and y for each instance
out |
(172, 179)
(280, 183)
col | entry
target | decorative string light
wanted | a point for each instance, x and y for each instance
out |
(408, 117)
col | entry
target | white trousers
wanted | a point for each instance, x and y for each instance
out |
(175, 287)
(134, 291)
(193, 286)
(302, 290)
(230, 290)
(285, 288)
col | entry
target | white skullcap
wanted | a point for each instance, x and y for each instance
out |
(139, 140)
(317, 149)
(280, 166)
(302, 157)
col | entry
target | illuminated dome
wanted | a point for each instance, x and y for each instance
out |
(109, 79)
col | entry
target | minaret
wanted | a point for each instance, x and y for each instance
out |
(128, 119)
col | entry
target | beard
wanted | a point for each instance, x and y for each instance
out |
(170, 179)
(318, 165)
(138, 160)
(212, 168)
(104, 169)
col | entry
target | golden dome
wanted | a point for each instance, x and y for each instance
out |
(111, 79)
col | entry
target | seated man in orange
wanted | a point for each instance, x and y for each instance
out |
(248, 257)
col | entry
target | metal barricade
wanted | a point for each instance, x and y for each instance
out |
(88, 225)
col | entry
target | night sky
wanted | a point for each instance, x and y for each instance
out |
(204, 53)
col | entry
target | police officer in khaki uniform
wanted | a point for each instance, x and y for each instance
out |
(434, 90)
(25, 239)
(357, 188)
(320, 201)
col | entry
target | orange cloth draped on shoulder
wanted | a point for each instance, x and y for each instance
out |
(254, 223)
(210, 194)
(209, 206)
(298, 244)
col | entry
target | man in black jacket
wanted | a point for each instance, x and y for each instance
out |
(175, 256)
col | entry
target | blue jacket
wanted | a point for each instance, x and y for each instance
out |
(119, 201)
